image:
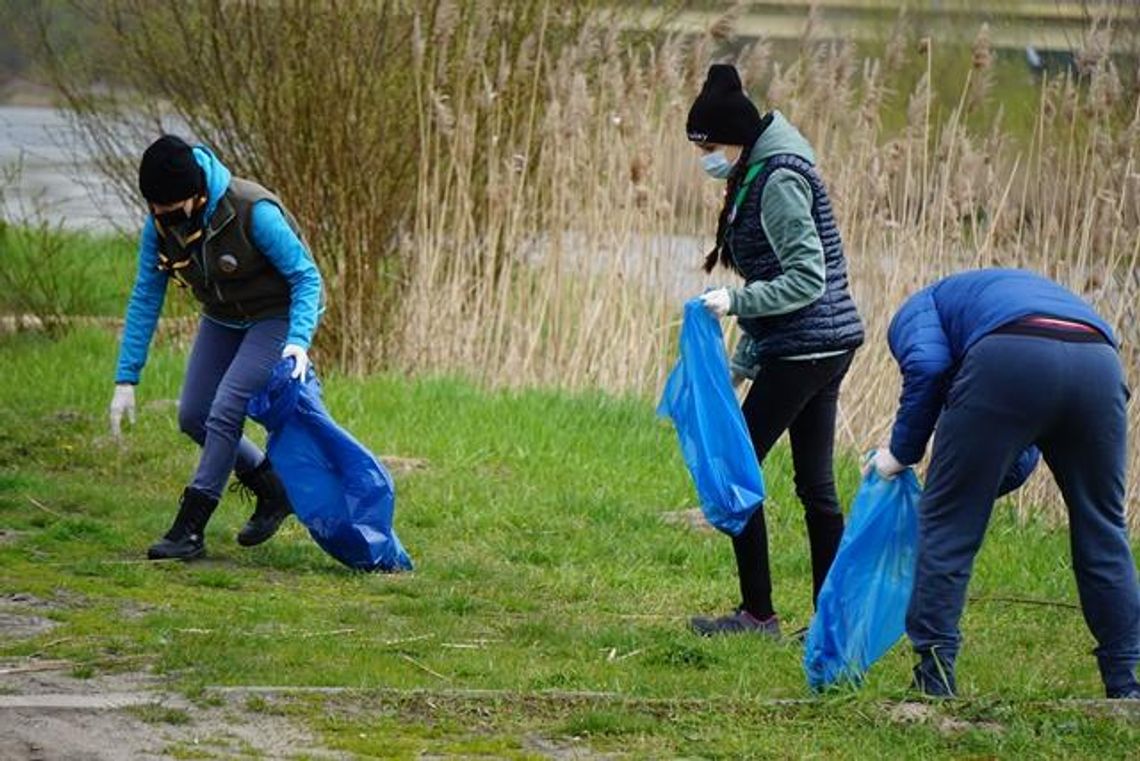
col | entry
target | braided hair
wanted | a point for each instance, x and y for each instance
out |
(719, 253)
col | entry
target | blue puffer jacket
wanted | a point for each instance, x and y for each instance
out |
(935, 328)
(271, 235)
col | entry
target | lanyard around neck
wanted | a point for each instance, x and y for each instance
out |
(749, 178)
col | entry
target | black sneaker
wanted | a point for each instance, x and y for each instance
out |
(739, 621)
(934, 677)
(272, 504)
(1128, 693)
(186, 539)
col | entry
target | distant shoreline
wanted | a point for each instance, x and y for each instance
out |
(24, 93)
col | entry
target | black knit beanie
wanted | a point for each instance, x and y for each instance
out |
(169, 173)
(723, 113)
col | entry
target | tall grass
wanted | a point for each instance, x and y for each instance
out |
(505, 190)
(605, 228)
(315, 100)
(941, 197)
(48, 274)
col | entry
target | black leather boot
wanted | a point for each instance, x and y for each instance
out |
(186, 538)
(272, 505)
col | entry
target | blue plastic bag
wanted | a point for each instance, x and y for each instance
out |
(861, 611)
(714, 440)
(338, 489)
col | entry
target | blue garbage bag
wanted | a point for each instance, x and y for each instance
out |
(339, 490)
(861, 611)
(698, 396)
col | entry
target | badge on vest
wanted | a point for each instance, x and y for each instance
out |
(227, 263)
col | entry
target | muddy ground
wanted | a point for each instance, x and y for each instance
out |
(47, 713)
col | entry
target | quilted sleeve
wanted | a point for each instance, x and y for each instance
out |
(922, 350)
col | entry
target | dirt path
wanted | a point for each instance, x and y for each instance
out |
(50, 715)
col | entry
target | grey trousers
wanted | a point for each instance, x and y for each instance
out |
(227, 366)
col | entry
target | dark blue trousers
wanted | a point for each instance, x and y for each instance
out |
(227, 367)
(1068, 398)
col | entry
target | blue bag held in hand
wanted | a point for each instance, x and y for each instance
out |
(338, 489)
(714, 440)
(861, 611)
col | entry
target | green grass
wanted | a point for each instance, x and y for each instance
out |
(545, 576)
(44, 269)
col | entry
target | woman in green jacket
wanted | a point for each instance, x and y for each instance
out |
(800, 326)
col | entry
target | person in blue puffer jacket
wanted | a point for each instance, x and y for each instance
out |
(1007, 362)
(233, 244)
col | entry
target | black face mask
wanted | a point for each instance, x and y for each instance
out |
(172, 219)
(186, 228)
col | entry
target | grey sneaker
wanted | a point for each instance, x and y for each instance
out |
(739, 621)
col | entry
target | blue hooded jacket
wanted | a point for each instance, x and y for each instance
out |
(935, 328)
(271, 235)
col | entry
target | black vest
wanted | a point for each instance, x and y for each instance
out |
(831, 323)
(232, 279)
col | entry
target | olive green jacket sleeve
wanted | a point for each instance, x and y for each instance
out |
(785, 212)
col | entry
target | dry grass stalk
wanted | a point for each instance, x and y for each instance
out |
(556, 215)
(604, 232)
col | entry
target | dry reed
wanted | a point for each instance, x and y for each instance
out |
(605, 227)
(508, 194)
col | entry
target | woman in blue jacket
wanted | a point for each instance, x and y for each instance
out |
(235, 247)
(800, 326)
(1007, 362)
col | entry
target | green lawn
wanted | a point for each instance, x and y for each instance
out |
(549, 598)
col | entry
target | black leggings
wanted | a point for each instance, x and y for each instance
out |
(801, 397)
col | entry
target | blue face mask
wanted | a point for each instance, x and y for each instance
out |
(717, 165)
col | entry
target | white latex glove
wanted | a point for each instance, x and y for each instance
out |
(717, 301)
(884, 464)
(300, 356)
(123, 402)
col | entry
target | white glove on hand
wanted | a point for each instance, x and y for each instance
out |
(884, 464)
(717, 301)
(123, 402)
(300, 356)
